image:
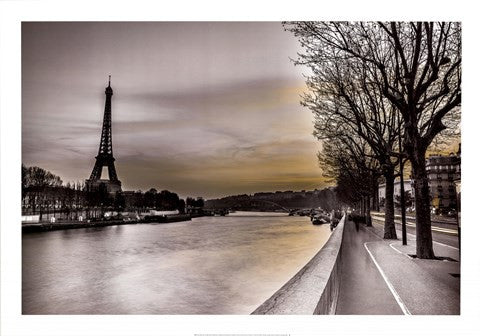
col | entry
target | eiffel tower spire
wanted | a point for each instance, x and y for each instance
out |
(105, 151)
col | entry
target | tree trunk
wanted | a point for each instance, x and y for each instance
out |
(422, 209)
(34, 203)
(368, 217)
(376, 206)
(364, 208)
(389, 226)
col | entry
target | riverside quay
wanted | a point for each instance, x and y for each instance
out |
(240, 168)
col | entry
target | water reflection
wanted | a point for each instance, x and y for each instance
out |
(211, 265)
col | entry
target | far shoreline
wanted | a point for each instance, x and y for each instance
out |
(45, 227)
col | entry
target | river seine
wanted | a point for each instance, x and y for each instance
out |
(210, 265)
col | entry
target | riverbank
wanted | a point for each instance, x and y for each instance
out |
(315, 288)
(67, 225)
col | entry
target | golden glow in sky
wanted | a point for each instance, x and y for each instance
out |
(201, 109)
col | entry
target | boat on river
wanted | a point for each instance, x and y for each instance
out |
(320, 219)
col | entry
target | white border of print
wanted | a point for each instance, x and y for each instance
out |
(13, 13)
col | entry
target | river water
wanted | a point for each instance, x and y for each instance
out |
(210, 265)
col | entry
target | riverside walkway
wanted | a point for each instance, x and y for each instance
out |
(360, 280)
(380, 277)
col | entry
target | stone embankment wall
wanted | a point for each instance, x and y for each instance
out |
(314, 289)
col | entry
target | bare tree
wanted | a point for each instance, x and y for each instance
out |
(346, 103)
(349, 162)
(416, 66)
(36, 184)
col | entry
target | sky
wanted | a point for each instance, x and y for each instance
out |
(199, 108)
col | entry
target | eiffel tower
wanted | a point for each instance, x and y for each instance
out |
(105, 152)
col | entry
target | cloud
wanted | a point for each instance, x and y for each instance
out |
(201, 109)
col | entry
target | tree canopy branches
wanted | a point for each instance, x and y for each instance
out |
(382, 81)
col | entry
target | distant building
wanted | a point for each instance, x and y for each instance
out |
(407, 185)
(442, 172)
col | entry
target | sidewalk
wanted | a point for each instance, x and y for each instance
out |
(362, 289)
(379, 277)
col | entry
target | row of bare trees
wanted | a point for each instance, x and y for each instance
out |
(381, 94)
(44, 193)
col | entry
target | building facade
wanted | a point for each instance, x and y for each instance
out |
(443, 171)
(407, 185)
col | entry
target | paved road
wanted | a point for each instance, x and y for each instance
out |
(379, 277)
(423, 287)
(362, 288)
(441, 237)
(447, 222)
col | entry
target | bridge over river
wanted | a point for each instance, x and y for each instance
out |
(210, 265)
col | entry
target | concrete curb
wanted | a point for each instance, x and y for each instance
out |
(314, 289)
